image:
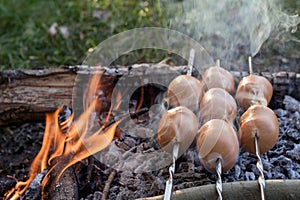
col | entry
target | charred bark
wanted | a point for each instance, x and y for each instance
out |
(65, 188)
(26, 95)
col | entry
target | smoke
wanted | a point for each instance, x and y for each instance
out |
(229, 29)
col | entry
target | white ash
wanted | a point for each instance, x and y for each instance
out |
(37, 180)
(34, 189)
(281, 162)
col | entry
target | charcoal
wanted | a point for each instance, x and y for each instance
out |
(34, 190)
(97, 195)
(89, 197)
(126, 177)
(249, 176)
(131, 142)
(267, 166)
(278, 175)
(292, 174)
(142, 176)
(114, 191)
(293, 134)
(294, 153)
(159, 183)
(124, 193)
(237, 170)
(291, 104)
(268, 174)
(281, 113)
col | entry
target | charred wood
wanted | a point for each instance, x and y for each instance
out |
(26, 95)
(65, 188)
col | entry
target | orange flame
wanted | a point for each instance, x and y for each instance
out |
(141, 99)
(69, 147)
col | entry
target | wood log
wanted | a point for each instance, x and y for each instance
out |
(275, 189)
(65, 188)
(26, 95)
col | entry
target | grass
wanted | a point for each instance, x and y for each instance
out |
(26, 43)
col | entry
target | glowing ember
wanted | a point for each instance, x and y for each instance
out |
(68, 146)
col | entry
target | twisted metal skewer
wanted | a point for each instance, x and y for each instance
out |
(169, 183)
(261, 179)
(259, 165)
(219, 181)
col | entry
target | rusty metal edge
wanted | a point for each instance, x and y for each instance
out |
(275, 189)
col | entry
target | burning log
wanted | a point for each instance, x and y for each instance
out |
(68, 147)
(66, 187)
(26, 95)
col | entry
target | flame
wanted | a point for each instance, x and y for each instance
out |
(141, 99)
(68, 146)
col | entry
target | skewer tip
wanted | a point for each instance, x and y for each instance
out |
(218, 63)
(191, 62)
(250, 65)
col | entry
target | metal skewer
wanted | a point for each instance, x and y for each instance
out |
(219, 187)
(191, 62)
(218, 63)
(250, 65)
(169, 183)
(219, 181)
(259, 165)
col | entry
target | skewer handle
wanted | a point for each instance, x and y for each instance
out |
(169, 183)
(219, 181)
(259, 165)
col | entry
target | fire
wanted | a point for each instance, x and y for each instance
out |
(68, 147)
(141, 99)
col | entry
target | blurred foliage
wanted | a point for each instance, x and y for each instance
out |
(25, 41)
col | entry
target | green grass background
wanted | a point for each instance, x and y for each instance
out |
(24, 24)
